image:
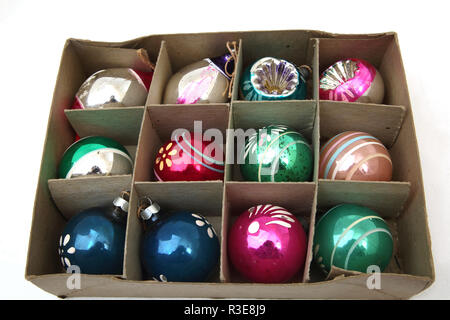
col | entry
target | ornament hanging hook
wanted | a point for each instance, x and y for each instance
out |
(233, 49)
(305, 71)
(147, 208)
(122, 201)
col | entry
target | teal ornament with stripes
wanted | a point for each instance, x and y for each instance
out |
(352, 237)
(96, 156)
(276, 153)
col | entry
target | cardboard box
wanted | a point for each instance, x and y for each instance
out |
(143, 129)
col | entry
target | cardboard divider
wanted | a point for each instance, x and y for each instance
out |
(173, 56)
(314, 45)
(238, 68)
(297, 114)
(95, 58)
(311, 231)
(161, 120)
(312, 222)
(375, 50)
(297, 198)
(163, 72)
(385, 198)
(74, 195)
(121, 124)
(203, 197)
(381, 121)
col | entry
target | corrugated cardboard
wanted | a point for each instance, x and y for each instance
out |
(143, 129)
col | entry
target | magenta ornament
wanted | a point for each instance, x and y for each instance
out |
(267, 244)
(352, 80)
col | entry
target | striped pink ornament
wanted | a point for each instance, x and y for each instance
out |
(354, 155)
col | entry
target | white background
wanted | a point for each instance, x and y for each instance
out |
(32, 35)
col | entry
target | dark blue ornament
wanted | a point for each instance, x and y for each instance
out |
(181, 246)
(94, 241)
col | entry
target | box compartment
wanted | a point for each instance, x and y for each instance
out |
(379, 51)
(297, 198)
(299, 50)
(204, 198)
(161, 120)
(385, 198)
(174, 55)
(299, 115)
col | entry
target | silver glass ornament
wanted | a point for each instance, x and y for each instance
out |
(205, 81)
(115, 87)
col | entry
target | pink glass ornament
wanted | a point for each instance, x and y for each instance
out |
(187, 157)
(352, 80)
(267, 244)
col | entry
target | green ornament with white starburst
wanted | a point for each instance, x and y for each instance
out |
(354, 238)
(276, 153)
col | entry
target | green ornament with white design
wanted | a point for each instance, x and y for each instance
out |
(96, 156)
(276, 153)
(353, 238)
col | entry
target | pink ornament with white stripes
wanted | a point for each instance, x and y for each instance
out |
(354, 155)
(267, 244)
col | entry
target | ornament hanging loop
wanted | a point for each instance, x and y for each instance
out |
(122, 202)
(121, 205)
(233, 49)
(305, 71)
(147, 208)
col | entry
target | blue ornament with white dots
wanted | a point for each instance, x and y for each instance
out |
(94, 239)
(178, 246)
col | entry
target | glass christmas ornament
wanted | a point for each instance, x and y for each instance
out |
(276, 153)
(177, 246)
(267, 244)
(94, 239)
(352, 237)
(115, 87)
(205, 81)
(188, 158)
(352, 80)
(95, 155)
(354, 155)
(274, 79)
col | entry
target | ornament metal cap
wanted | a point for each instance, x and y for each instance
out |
(221, 62)
(150, 210)
(121, 203)
(121, 206)
(305, 71)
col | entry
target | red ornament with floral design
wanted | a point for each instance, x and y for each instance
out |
(188, 158)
